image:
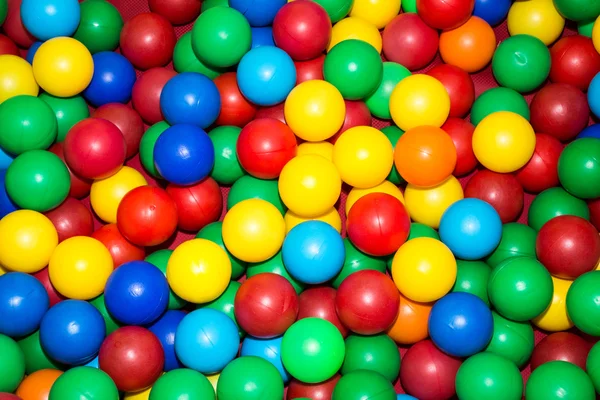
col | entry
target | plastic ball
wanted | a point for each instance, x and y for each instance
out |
(411, 322)
(178, 13)
(356, 261)
(120, 249)
(146, 92)
(461, 133)
(491, 11)
(558, 379)
(71, 218)
(319, 302)
(250, 377)
(236, 110)
(459, 86)
(427, 205)
(592, 366)
(147, 40)
(160, 259)
(517, 240)
(79, 188)
(262, 36)
(106, 194)
(100, 26)
(147, 145)
(470, 46)
(538, 18)
(197, 205)
(309, 70)
(472, 277)
(190, 98)
(96, 382)
(248, 187)
(7, 46)
(49, 19)
(489, 375)
(267, 349)
(502, 191)
(562, 346)
(511, 340)
(336, 9)
(582, 307)
(579, 168)
(499, 99)
(578, 10)
(541, 171)
(372, 353)
(185, 60)
(555, 318)
(592, 131)
(363, 384)
(16, 78)
(227, 168)
(408, 41)
(355, 28)
(37, 385)
(23, 303)
(13, 24)
(30, 52)
(378, 102)
(67, 111)
(182, 382)
(385, 187)
(574, 61)
(12, 365)
(552, 203)
(357, 114)
(445, 15)
(127, 120)
(112, 81)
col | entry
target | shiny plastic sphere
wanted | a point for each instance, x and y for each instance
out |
(459, 85)
(227, 168)
(445, 15)
(250, 377)
(316, 391)
(511, 340)
(472, 277)
(378, 13)
(145, 96)
(411, 323)
(379, 101)
(384, 187)
(499, 99)
(555, 318)
(373, 353)
(592, 366)
(100, 26)
(355, 28)
(274, 265)
(538, 18)
(248, 187)
(574, 61)
(502, 191)
(558, 379)
(362, 384)
(96, 382)
(517, 240)
(127, 120)
(38, 385)
(579, 168)
(147, 40)
(178, 13)
(552, 203)
(106, 194)
(489, 375)
(236, 110)
(71, 218)
(541, 171)
(112, 81)
(409, 41)
(461, 133)
(17, 78)
(187, 92)
(427, 205)
(197, 205)
(493, 12)
(120, 249)
(23, 303)
(581, 302)
(309, 70)
(561, 346)
(470, 47)
(12, 365)
(355, 261)
(80, 187)
(182, 382)
(267, 349)
(319, 302)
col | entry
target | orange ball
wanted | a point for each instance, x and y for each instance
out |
(37, 385)
(425, 156)
(471, 46)
(411, 324)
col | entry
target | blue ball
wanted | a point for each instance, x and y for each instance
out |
(594, 95)
(5, 159)
(460, 324)
(6, 204)
(94, 363)
(31, 52)
(266, 75)
(190, 98)
(405, 397)
(268, 349)
(72, 332)
(492, 11)
(112, 81)
(258, 12)
(47, 19)
(184, 154)
(262, 37)
(592, 131)
(471, 228)
(313, 252)
(136, 293)
(206, 340)
(23, 303)
(165, 329)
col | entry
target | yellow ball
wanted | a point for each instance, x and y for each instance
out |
(419, 100)
(315, 110)
(213, 379)
(376, 12)
(332, 217)
(63, 67)
(309, 185)
(2, 270)
(199, 271)
(253, 230)
(80, 267)
(27, 241)
(427, 205)
(538, 18)
(503, 142)
(595, 36)
(16, 78)
(323, 149)
(555, 318)
(106, 194)
(384, 187)
(141, 395)
(424, 269)
(356, 28)
(364, 156)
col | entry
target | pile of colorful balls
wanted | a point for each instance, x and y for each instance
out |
(313, 199)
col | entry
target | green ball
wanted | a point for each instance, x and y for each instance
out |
(552, 203)
(185, 60)
(363, 385)
(225, 302)
(12, 364)
(379, 102)
(393, 133)
(96, 383)
(499, 99)
(578, 10)
(378, 353)
(356, 261)
(418, 230)
(559, 380)
(355, 68)
(38, 180)
(583, 306)
(512, 340)
(214, 233)
(227, 167)
(409, 6)
(160, 259)
(337, 9)
(147, 147)
(520, 288)
(249, 187)
(111, 323)
(585, 28)
(274, 265)
(472, 277)
(182, 383)
(579, 168)
(312, 350)
(518, 240)
(26, 123)
(221, 36)
(250, 378)
(35, 357)
(488, 376)
(100, 26)
(3, 11)
(521, 62)
(593, 366)
(67, 110)
(207, 4)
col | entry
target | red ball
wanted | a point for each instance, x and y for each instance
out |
(461, 133)
(53, 294)
(367, 302)
(121, 250)
(235, 109)
(378, 224)
(133, 358)
(265, 146)
(7, 46)
(275, 112)
(407, 40)
(145, 97)
(178, 12)
(502, 191)
(197, 205)
(574, 61)
(71, 218)
(315, 391)
(568, 246)
(541, 171)
(357, 114)
(427, 373)
(302, 29)
(147, 216)
(445, 14)
(9, 396)
(458, 84)
(13, 25)
(594, 206)
(266, 305)
(94, 148)
(561, 346)
(560, 110)
(127, 120)
(80, 187)
(148, 40)
(319, 302)
(309, 70)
